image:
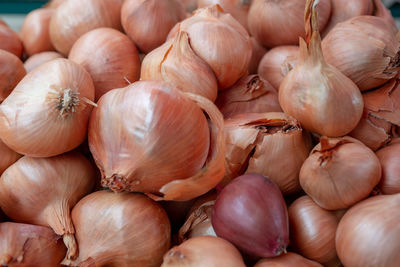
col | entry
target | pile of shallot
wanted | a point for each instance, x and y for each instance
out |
(201, 133)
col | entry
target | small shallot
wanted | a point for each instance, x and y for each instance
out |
(286, 260)
(40, 58)
(7, 157)
(389, 158)
(11, 73)
(10, 41)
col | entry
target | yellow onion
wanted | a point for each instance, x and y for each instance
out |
(389, 159)
(204, 251)
(368, 234)
(10, 41)
(42, 191)
(11, 73)
(381, 115)
(239, 9)
(47, 113)
(364, 49)
(35, 34)
(176, 63)
(157, 140)
(7, 157)
(312, 231)
(275, 23)
(286, 260)
(119, 230)
(258, 51)
(272, 144)
(221, 42)
(73, 18)
(40, 58)
(251, 94)
(340, 172)
(113, 62)
(277, 62)
(317, 94)
(24, 245)
(381, 11)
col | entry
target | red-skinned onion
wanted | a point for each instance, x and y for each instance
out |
(10, 41)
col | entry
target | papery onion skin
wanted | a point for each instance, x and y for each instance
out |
(122, 229)
(114, 61)
(368, 234)
(340, 172)
(250, 94)
(24, 245)
(40, 58)
(49, 109)
(312, 231)
(11, 73)
(35, 34)
(277, 62)
(286, 260)
(10, 41)
(245, 204)
(46, 190)
(390, 162)
(275, 23)
(364, 49)
(73, 18)
(148, 22)
(258, 51)
(8, 157)
(203, 251)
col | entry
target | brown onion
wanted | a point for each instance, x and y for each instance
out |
(368, 234)
(176, 63)
(156, 140)
(40, 58)
(49, 109)
(286, 260)
(7, 157)
(42, 191)
(277, 62)
(275, 23)
(203, 251)
(381, 11)
(312, 231)
(113, 62)
(272, 144)
(317, 94)
(340, 172)
(73, 18)
(11, 73)
(251, 213)
(390, 162)
(251, 94)
(258, 51)
(364, 49)
(35, 31)
(119, 230)
(148, 22)
(10, 41)
(24, 245)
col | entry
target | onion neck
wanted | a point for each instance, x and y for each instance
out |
(70, 243)
(68, 101)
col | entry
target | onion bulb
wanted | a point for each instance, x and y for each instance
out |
(277, 62)
(258, 51)
(203, 251)
(8, 157)
(10, 41)
(148, 22)
(11, 73)
(163, 145)
(317, 94)
(40, 58)
(312, 231)
(250, 94)
(251, 213)
(47, 113)
(73, 18)
(340, 172)
(176, 63)
(29, 245)
(368, 234)
(286, 260)
(275, 23)
(113, 62)
(272, 144)
(119, 230)
(35, 34)
(390, 162)
(42, 191)
(364, 49)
